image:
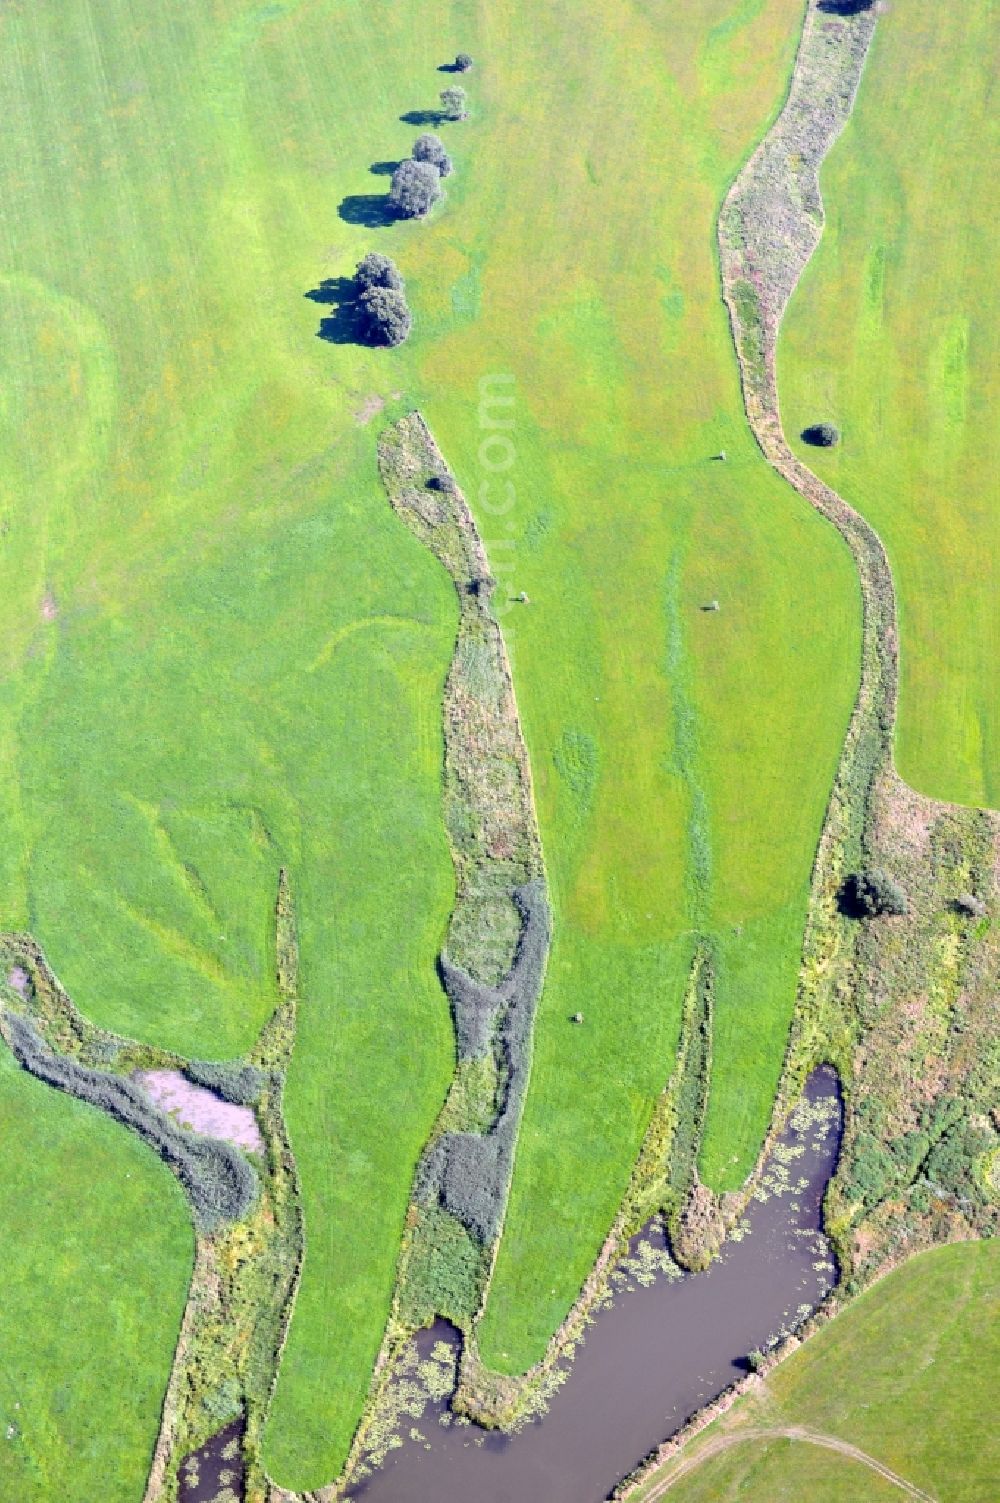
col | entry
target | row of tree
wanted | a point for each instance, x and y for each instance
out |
(414, 190)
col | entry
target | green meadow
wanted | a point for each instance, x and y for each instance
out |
(903, 1374)
(222, 653)
(682, 758)
(892, 335)
(97, 1255)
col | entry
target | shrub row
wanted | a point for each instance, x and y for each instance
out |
(220, 1182)
(414, 190)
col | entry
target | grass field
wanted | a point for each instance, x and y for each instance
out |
(245, 654)
(682, 758)
(893, 336)
(904, 1374)
(222, 652)
(97, 1251)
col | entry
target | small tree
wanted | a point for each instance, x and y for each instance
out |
(376, 270)
(429, 148)
(822, 435)
(416, 188)
(463, 63)
(386, 319)
(453, 102)
(873, 893)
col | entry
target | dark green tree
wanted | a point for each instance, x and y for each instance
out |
(822, 435)
(463, 62)
(385, 316)
(870, 894)
(454, 102)
(429, 148)
(376, 270)
(416, 188)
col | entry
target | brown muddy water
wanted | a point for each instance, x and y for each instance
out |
(666, 1345)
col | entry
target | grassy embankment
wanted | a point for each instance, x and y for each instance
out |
(97, 1252)
(892, 336)
(903, 1374)
(220, 649)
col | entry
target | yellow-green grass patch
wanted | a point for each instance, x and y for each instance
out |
(97, 1255)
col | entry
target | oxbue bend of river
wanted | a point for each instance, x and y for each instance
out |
(658, 1353)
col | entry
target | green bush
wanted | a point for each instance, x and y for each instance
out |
(870, 894)
(233, 1081)
(821, 435)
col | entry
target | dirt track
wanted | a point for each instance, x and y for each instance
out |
(787, 1432)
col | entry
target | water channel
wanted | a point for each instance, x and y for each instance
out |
(666, 1345)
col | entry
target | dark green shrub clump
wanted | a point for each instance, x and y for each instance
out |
(463, 63)
(454, 103)
(385, 315)
(871, 894)
(415, 189)
(376, 270)
(821, 435)
(429, 148)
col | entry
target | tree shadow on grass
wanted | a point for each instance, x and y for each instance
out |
(383, 169)
(369, 209)
(343, 325)
(424, 117)
(845, 7)
(849, 904)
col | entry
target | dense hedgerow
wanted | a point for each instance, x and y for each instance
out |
(241, 1084)
(444, 1273)
(474, 1009)
(220, 1182)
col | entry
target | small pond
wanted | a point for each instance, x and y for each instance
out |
(666, 1345)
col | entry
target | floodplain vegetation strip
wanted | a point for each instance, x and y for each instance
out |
(493, 965)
